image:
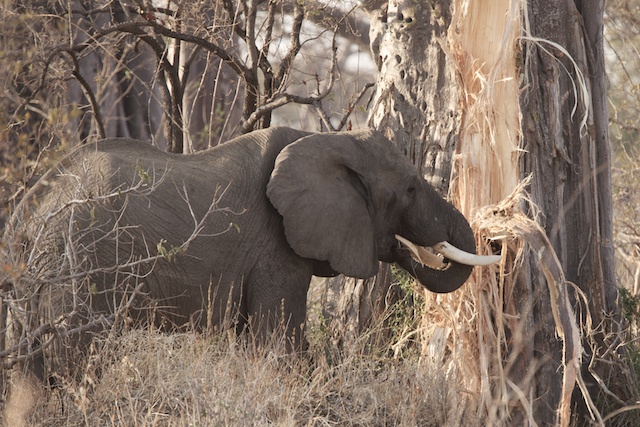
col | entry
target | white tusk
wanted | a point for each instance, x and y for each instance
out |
(462, 257)
(426, 257)
(423, 255)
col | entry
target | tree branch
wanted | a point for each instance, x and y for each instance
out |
(86, 88)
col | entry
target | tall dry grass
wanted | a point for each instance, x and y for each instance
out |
(146, 377)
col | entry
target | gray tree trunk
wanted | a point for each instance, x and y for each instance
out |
(417, 107)
(566, 143)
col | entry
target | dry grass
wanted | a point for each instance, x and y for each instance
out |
(150, 378)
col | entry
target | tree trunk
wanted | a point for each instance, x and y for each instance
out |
(568, 151)
(566, 144)
(417, 107)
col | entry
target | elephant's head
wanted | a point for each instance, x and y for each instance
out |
(347, 198)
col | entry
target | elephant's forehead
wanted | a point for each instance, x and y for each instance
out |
(393, 177)
(386, 153)
(394, 165)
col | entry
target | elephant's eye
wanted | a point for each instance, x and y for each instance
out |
(411, 191)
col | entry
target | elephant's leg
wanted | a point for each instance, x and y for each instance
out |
(277, 300)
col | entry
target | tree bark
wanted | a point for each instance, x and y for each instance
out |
(417, 103)
(566, 144)
(567, 151)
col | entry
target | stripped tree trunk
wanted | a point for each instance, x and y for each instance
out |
(481, 96)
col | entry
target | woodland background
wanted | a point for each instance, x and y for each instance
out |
(457, 94)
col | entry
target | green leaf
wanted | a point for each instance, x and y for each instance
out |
(92, 214)
(143, 174)
(162, 251)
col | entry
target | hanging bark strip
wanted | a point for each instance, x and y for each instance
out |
(527, 239)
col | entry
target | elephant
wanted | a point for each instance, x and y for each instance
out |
(228, 236)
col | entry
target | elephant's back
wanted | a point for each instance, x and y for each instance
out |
(89, 165)
(250, 154)
(91, 179)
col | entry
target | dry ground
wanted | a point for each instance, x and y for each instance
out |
(154, 379)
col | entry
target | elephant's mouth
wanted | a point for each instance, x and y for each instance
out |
(441, 255)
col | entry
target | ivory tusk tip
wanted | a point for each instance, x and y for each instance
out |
(450, 252)
(462, 257)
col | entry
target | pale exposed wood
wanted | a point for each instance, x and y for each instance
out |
(484, 44)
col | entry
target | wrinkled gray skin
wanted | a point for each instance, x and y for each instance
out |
(290, 204)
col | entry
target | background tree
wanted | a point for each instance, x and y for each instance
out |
(622, 33)
(187, 76)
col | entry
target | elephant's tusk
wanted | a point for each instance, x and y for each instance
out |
(427, 257)
(462, 257)
(424, 255)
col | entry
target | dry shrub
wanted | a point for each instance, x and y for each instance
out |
(151, 378)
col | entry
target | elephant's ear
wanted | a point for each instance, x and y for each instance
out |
(316, 187)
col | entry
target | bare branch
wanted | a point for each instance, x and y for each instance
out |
(281, 99)
(345, 24)
(324, 117)
(286, 64)
(86, 88)
(353, 103)
(234, 15)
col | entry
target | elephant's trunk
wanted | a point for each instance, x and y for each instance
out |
(445, 266)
